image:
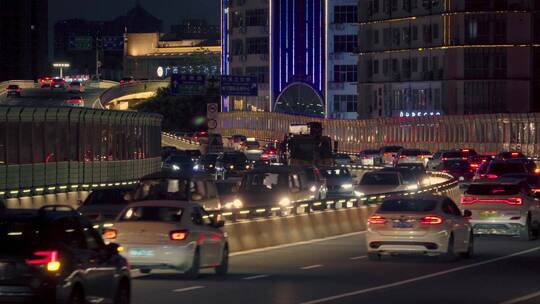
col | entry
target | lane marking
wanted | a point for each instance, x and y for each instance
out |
(311, 267)
(295, 244)
(523, 298)
(420, 278)
(188, 288)
(256, 277)
(358, 257)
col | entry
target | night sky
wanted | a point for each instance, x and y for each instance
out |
(170, 11)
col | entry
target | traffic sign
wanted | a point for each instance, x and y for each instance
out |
(211, 110)
(188, 84)
(239, 86)
(212, 124)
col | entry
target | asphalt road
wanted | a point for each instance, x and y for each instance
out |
(51, 98)
(337, 271)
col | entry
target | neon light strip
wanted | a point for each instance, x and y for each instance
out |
(313, 46)
(307, 37)
(321, 3)
(293, 32)
(287, 41)
(279, 48)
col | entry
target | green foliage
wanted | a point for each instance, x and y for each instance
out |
(180, 113)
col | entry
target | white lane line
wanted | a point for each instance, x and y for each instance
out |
(358, 257)
(188, 288)
(296, 244)
(256, 277)
(311, 267)
(420, 278)
(523, 298)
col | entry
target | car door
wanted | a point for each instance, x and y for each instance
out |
(460, 225)
(215, 240)
(202, 234)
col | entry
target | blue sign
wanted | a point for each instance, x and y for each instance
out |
(239, 86)
(113, 43)
(188, 84)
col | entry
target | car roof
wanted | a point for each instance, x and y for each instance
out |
(162, 203)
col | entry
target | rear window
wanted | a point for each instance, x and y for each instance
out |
(264, 182)
(487, 189)
(373, 179)
(19, 236)
(454, 154)
(153, 214)
(408, 205)
(505, 168)
(13, 86)
(456, 164)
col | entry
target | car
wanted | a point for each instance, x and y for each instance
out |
(533, 180)
(45, 81)
(127, 80)
(458, 168)
(199, 135)
(339, 181)
(502, 207)
(236, 141)
(412, 156)
(13, 90)
(104, 205)
(173, 234)
(214, 143)
(369, 158)
(467, 153)
(231, 164)
(58, 83)
(178, 162)
(273, 187)
(76, 87)
(53, 255)
(439, 157)
(207, 163)
(476, 161)
(496, 168)
(76, 101)
(510, 155)
(250, 144)
(313, 180)
(341, 159)
(376, 182)
(388, 154)
(420, 224)
(271, 152)
(413, 174)
(166, 151)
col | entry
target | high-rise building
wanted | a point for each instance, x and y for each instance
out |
(444, 57)
(23, 39)
(195, 29)
(303, 53)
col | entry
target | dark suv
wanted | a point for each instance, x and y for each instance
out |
(53, 255)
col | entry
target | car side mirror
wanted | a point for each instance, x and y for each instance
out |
(219, 224)
(467, 213)
(113, 249)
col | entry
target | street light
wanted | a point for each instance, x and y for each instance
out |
(61, 66)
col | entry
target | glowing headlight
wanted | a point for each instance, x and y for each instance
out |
(236, 204)
(248, 166)
(358, 193)
(175, 167)
(346, 186)
(313, 189)
(196, 167)
(284, 202)
(231, 167)
(412, 187)
(426, 182)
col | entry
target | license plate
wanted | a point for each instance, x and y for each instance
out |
(141, 252)
(402, 224)
(489, 214)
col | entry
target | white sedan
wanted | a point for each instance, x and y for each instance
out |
(170, 235)
(426, 224)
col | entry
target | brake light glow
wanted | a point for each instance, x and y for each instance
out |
(515, 154)
(402, 156)
(110, 234)
(468, 200)
(47, 258)
(376, 220)
(431, 220)
(537, 171)
(178, 235)
(490, 176)
(474, 166)
(445, 158)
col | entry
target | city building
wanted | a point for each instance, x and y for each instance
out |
(23, 39)
(302, 52)
(196, 29)
(445, 57)
(147, 56)
(79, 41)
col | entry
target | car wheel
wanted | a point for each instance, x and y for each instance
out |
(145, 271)
(193, 272)
(470, 249)
(223, 267)
(449, 255)
(373, 256)
(122, 294)
(77, 296)
(525, 233)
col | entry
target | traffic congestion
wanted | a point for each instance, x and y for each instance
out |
(174, 220)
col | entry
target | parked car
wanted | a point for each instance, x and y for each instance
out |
(170, 234)
(339, 181)
(369, 158)
(424, 224)
(504, 207)
(13, 90)
(388, 154)
(53, 255)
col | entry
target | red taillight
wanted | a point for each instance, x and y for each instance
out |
(402, 156)
(474, 166)
(445, 158)
(376, 220)
(431, 220)
(264, 157)
(178, 235)
(514, 201)
(515, 154)
(467, 200)
(491, 176)
(46, 258)
(110, 234)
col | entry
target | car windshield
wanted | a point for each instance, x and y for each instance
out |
(493, 189)
(375, 179)
(152, 214)
(178, 158)
(163, 189)
(252, 144)
(264, 182)
(108, 197)
(337, 172)
(408, 205)
(505, 168)
(234, 158)
(453, 154)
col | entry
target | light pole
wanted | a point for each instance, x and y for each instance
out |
(61, 66)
